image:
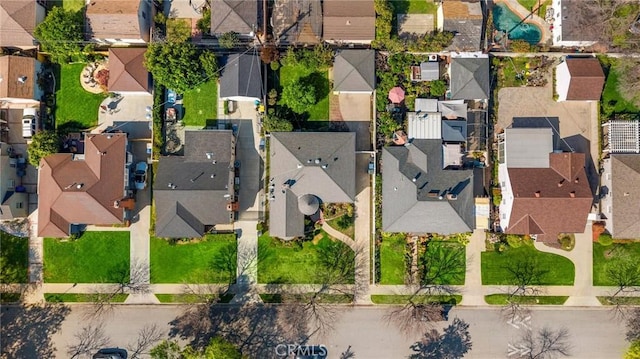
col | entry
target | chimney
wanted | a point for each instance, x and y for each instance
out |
(561, 183)
(537, 194)
(572, 194)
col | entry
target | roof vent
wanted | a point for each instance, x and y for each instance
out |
(626, 194)
(170, 185)
(452, 197)
(214, 162)
(209, 155)
(116, 204)
(433, 193)
(561, 183)
(22, 79)
(79, 185)
(440, 197)
(348, 22)
(299, 165)
(317, 161)
(577, 180)
(309, 160)
(537, 194)
(572, 194)
(325, 166)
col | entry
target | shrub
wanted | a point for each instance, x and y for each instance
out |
(229, 40)
(275, 65)
(605, 239)
(514, 240)
(567, 241)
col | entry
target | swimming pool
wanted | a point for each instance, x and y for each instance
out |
(505, 20)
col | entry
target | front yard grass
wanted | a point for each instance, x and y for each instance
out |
(192, 298)
(392, 256)
(320, 79)
(404, 299)
(561, 270)
(75, 107)
(605, 256)
(14, 259)
(290, 262)
(80, 297)
(212, 260)
(501, 299)
(619, 300)
(200, 104)
(96, 257)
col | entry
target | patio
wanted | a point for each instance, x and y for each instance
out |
(122, 112)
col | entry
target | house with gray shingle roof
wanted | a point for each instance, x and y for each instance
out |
(469, 76)
(195, 192)
(308, 169)
(241, 78)
(422, 194)
(620, 192)
(240, 16)
(354, 71)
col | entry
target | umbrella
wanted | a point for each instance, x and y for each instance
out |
(396, 95)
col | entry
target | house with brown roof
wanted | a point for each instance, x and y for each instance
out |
(579, 79)
(18, 20)
(80, 189)
(620, 195)
(243, 17)
(349, 21)
(18, 85)
(127, 72)
(297, 22)
(119, 22)
(544, 192)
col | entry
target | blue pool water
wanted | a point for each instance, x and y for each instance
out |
(505, 20)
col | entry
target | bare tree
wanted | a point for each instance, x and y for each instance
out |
(89, 339)
(453, 343)
(633, 325)
(149, 335)
(525, 274)
(348, 354)
(545, 343)
(440, 265)
(624, 273)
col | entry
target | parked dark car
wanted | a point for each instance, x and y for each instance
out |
(111, 353)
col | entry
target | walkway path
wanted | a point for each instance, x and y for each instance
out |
(473, 277)
(34, 293)
(139, 252)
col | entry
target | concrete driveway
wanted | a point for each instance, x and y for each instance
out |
(356, 111)
(121, 112)
(578, 120)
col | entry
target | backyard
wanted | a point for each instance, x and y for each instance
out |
(414, 7)
(212, 260)
(612, 101)
(290, 74)
(96, 257)
(14, 260)
(495, 266)
(291, 262)
(392, 252)
(75, 108)
(200, 104)
(605, 257)
(533, 4)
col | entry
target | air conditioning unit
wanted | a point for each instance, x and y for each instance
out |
(433, 58)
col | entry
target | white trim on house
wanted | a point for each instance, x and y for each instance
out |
(563, 80)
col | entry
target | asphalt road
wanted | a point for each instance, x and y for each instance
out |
(593, 332)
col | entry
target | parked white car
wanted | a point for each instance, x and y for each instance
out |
(29, 121)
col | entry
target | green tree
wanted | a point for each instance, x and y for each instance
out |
(634, 351)
(167, 349)
(175, 66)
(437, 88)
(276, 123)
(299, 96)
(209, 63)
(229, 40)
(60, 34)
(178, 30)
(42, 145)
(204, 23)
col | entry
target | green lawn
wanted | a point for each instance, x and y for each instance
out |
(415, 7)
(392, 266)
(619, 300)
(191, 298)
(79, 297)
(96, 257)
(349, 231)
(304, 298)
(75, 107)
(6, 298)
(531, 4)
(288, 262)
(320, 79)
(561, 270)
(404, 299)
(609, 255)
(201, 104)
(212, 260)
(501, 299)
(612, 99)
(14, 259)
(73, 5)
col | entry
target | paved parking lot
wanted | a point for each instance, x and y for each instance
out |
(578, 120)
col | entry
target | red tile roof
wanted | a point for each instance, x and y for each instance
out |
(82, 191)
(587, 79)
(549, 201)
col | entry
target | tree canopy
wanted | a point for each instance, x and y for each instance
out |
(274, 122)
(60, 34)
(174, 65)
(42, 145)
(229, 40)
(299, 96)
